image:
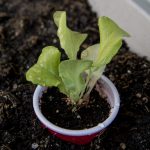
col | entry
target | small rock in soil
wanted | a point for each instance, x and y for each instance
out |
(122, 146)
(34, 145)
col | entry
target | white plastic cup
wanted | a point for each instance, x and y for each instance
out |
(86, 135)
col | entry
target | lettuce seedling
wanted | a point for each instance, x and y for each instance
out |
(76, 77)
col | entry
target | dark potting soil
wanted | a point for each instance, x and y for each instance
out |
(25, 28)
(55, 108)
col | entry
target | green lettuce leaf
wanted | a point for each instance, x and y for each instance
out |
(45, 71)
(70, 40)
(71, 73)
(101, 54)
(95, 72)
(110, 40)
(91, 52)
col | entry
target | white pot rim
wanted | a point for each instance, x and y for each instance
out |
(36, 98)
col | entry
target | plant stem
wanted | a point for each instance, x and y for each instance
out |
(87, 77)
(94, 77)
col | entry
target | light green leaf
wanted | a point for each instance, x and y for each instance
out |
(45, 71)
(91, 52)
(101, 54)
(110, 40)
(62, 88)
(95, 72)
(70, 40)
(71, 73)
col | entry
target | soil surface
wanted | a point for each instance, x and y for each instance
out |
(25, 28)
(56, 109)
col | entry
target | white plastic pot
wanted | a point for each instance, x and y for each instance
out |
(86, 135)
